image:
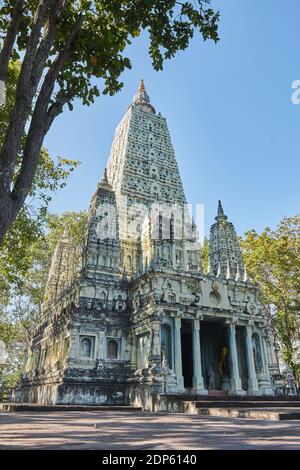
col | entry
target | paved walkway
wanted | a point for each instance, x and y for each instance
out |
(137, 430)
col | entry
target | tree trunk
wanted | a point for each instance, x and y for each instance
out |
(6, 217)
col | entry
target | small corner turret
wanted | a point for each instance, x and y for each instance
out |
(225, 253)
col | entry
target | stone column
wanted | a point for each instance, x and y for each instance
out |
(267, 389)
(252, 379)
(235, 380)
(133, 359)
(271, 348)
(173, 254)
(198, 385)
(73, 349)
(178, 354)
(102, 346)
(264, 353)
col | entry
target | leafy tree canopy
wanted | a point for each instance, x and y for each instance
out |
(51, 175)
(273, 261)
(63, 44)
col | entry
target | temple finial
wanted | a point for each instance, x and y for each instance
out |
(220, 208)
(220, 215)
(104, 183)
(141, 98)
(105, 179)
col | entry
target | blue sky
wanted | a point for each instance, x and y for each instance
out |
(235, 131)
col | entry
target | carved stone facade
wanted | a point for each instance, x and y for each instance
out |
(134, 316)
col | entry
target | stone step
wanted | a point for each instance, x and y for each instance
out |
(247, 404)
(188, 406)
(192, 407)
(36, 407)
(224, 398)
(272, 414)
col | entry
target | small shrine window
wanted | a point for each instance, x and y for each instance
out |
(112, 349)
(86, 345)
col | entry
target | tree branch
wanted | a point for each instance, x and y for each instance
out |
(26, 89)
(10, 38)
(48, 38)
(41, 121)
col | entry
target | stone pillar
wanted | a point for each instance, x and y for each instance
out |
(264, 353)
(184, 258)
(73, 349)
(133, 360)
(102, 346)
(198, 385)
(173, 255)
(267, 386)
(273, 359)
(178, 354)
(235, 380)
(252, 379)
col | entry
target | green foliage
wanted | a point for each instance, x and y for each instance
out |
(204, 253)
(12, 335)
(64, 46)
(273, 261)
(51, 175)
(75, 222)
(108, 28)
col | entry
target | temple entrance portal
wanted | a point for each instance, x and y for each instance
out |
(187, 353)
(214, 355)
(241, 353)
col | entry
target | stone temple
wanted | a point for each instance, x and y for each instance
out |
(132, 316)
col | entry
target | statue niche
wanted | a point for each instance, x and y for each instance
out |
(85, 349)
(222, 362)
(166, 349)
(112, 349)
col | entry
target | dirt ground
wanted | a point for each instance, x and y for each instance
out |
(112, 430)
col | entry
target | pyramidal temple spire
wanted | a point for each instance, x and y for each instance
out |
(141, 98)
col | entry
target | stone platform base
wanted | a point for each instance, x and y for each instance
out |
(36, 407)
(217, 393)
(255, 407)
(273, 414)
(71, 393)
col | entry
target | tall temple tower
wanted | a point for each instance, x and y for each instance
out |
(134, 317)
(144, 174)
